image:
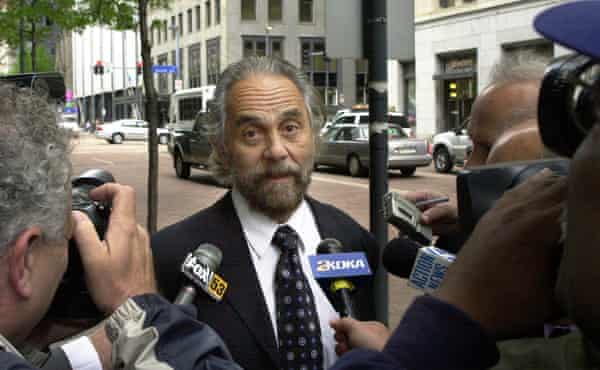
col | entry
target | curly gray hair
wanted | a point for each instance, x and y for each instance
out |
(240, 71)
(35, 167)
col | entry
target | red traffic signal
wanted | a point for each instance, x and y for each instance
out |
(139, 68)
(99, 68)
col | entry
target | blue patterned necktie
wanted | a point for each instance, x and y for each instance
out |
(298, 328)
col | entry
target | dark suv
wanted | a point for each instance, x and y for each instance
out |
(190, 148)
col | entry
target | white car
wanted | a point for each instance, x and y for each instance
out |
(358, 117)
(69, 123)
(129, 129)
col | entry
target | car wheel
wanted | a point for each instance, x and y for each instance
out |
(182, 169)
(163, 139)
(442, 161)
(407, 171)
(117, 139)
(354, 167)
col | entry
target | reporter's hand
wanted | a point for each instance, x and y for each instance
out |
(504, 275)
(121, 265)
(442, 217)
(351, 333)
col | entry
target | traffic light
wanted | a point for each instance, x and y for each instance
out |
(139, 68)
(306, 56)
(99, 68)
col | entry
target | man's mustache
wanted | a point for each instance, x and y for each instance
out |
(279, 170)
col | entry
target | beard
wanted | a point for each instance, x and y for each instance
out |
(275, 200)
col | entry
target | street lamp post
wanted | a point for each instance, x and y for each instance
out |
(175, 29)
(268, 29)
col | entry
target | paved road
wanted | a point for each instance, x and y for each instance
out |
(180, 198)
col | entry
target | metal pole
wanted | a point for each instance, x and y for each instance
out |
(112, 77)
(177, 56)
(92, 78)
(375, 47)
(137, 83)
(267, 44)
(102, 109)
(124, 70)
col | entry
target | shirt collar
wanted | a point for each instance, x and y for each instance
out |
(259, 229)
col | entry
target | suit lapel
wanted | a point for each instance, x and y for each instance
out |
(244, 293)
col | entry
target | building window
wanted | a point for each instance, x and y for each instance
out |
(248, 10)
(321, 70)
(163, 78)
(207, 12)
(195, 69)
(198, 19)
(180, 24)
(189, 21)
(165, 31)
(213, 56)
(362, 91)
(158, 34)
(275, 11)
(306, 11)
(173, 28)
(217, 11)
(151, 35)
(257, 46)
(446, 3)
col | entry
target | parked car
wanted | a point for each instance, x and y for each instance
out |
(361, 116)
(190, 148)
(450, 148)
(128, 129)
(347, 146)
(70, 123)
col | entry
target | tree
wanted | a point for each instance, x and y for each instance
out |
(132, 14)
(44, 62)
(38, 19)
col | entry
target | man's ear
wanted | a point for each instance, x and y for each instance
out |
(21, 261)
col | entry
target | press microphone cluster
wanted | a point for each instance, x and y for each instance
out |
(199, 268)
(338, 271)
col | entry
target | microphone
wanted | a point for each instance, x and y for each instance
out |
(334, 269)
(430, 268)
(399, 256)
(199, 268)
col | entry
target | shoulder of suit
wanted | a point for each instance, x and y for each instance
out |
(328, 211)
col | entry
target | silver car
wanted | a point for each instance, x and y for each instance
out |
(347, 146)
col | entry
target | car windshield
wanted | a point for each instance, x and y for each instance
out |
(394, 132)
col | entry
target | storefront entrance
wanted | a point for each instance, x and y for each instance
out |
(459, 97)
(458, 86)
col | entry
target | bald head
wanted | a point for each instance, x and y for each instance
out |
(500, 109)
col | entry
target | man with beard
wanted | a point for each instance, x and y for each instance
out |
(264, 131)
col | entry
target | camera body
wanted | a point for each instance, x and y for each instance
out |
(479, 188)
(72, 299)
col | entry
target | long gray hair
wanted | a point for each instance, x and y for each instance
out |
(240, 71)
(34, 168)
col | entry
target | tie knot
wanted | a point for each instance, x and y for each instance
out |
(285, 238)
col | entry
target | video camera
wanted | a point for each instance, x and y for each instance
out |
(568, 106)
(72, 299)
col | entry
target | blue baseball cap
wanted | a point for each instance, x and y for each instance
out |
(575, 25)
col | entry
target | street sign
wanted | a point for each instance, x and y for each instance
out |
(344, 38)
(70, 110)
(164, 68)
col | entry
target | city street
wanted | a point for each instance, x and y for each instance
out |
(180, 198)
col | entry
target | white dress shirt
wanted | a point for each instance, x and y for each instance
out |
(259, 230)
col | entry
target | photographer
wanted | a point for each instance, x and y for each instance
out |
(36, 225)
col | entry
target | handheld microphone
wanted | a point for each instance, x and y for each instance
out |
(199, 267)
(399, 256)
(334, 268)
(430, 268)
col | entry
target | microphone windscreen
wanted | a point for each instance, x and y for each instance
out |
(329, 246)
(399, 256)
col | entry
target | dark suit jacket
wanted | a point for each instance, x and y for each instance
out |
(242, 318)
